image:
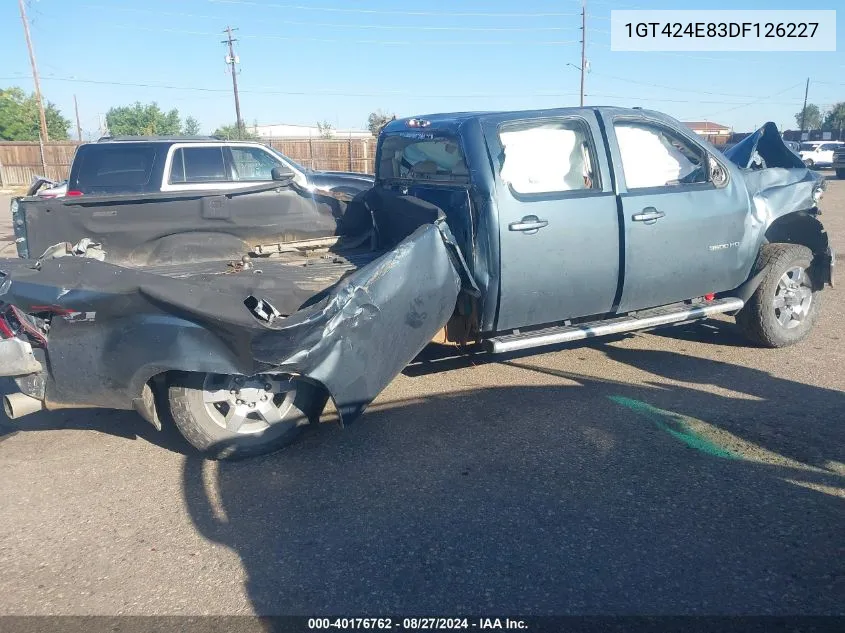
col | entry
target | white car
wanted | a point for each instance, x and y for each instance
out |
(820, 153)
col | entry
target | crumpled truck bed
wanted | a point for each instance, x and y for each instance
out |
(363, 319)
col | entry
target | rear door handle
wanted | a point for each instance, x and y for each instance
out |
(529, 225)
(650, 215)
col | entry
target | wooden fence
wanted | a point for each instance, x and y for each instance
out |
(20, 161)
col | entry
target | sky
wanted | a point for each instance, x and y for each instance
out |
(304, 61)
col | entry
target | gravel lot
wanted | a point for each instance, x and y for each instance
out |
(675, 472)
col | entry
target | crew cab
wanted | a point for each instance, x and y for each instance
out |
(505, 231)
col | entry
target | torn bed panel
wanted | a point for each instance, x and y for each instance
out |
(369, 328)
(113, 328)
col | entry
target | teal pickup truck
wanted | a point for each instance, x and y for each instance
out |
(511, 231)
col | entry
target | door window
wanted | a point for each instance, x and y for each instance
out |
(654, 156)
(198, 165)
(547, 157)
(253, 163)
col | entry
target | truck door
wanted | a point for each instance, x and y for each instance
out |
(684, 228)
(558, 219)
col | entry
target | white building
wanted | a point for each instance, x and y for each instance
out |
(284, 130)
(709, 129)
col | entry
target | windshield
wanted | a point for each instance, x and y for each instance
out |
(422, 156)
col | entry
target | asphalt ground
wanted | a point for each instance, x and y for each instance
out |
(673, 472)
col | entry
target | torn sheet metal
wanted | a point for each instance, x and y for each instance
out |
(777, 191)
(17, 359)
(763, 149)
(353, 338)
(86, 247)
(776, 178)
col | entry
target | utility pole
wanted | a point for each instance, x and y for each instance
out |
(231, 59)
(804, 109)
(36, 81)
(583, 46)
(78, 127)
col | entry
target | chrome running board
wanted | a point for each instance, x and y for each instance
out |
(643, 320)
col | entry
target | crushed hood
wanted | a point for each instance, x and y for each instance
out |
(766, 144)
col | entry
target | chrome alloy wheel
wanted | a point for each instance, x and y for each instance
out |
(248, 405)
(793, 297)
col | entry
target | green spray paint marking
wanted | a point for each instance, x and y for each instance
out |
(682, 430)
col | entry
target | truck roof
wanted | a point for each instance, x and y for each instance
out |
(453, 120)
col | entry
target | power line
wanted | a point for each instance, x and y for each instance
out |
(297, 7)
(346, 41)
(379, 27)
(767, 98)
(674, 88)
(316, 93)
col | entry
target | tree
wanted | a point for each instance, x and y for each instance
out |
(143, 120)
(191, 127)
(19, 119)
(835, 118)
(810, 117)
(377, 120)
(325, 129)
(232, 133)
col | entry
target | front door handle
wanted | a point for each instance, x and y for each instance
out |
(650, 215)
(529, 225)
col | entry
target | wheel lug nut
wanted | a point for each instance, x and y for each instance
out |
(268, 387)
(251, 405)
(239, 401)
(263, 398)
(233, 391)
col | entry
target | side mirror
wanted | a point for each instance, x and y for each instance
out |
(282, 175)
(718, 174)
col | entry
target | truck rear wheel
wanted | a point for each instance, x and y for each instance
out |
(785, 306)
(231, 417)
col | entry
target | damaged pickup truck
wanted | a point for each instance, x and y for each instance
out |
(511, 230)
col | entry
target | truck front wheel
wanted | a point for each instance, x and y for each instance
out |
(785, 306)
(231, 417)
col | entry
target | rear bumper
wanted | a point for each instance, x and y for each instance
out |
(17, 359)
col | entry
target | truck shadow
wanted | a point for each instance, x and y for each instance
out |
(591, 496)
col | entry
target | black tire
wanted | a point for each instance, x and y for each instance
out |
(840, 173)
(809, 163)
(204, 430)
(760, 319)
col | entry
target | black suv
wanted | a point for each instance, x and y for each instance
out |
(135, 164)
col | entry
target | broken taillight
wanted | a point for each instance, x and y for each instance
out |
(5, 328)
(14, 323)
(710, 297)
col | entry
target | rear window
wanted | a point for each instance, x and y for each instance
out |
(115, 168)
(422, 156)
